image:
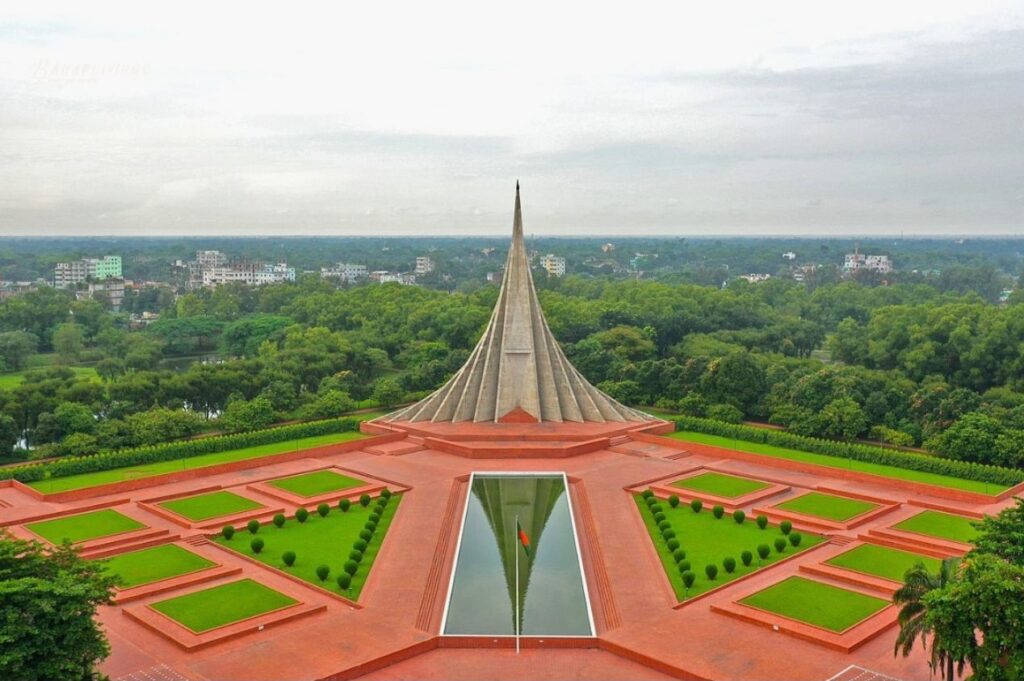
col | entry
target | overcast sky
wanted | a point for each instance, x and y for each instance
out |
(731, 118)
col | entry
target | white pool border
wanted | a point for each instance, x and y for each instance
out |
(576, 541)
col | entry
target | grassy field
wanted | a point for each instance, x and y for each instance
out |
(220, 605)
(86, 480)
(145, 566)
(13, 380)
(882, 561)
(841, 463)
(315, 483)
(941, 525)
(212, 505)
(708, 540)
(720, 484)
(85, 526)
(319, 541)
(827, 506)
(821, 605)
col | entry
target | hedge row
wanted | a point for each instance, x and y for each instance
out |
(845, 450)
(74, 465)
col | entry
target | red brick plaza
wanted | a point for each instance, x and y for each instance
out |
(393, 631)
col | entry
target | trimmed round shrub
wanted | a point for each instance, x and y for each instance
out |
(288, 557)
(364, 500)
(672, 544)
(664, 525)
(780, 544)
(365, 535)
(301, 514)
(322, 571)
(763, 551)
(711, 571)
(356, 555)
(279, 520)
(344, 505)
(351, 567)
(795, 538)
(729, 563)
(375, 517)
(673, 501)
(668, 534)
(647, 494)
(696, 505)
(688, 579)
(256, 545)
(762, 521)
(659, 518)
(370, 525)
(323, 510)
(227, 532)
(683, 566)
(385, 493)
(253, 526)
(657, 508)
(359, 545)
(718, 511)
(650, 501)
(746, 557)
(739, 516)
(785, 526)
(678, 555)
(344, 581)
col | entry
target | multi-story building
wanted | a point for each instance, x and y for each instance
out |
(555, 265)
(789, 255)
(346, 271)
(424, 265)
(211, 259)
(68, 274)
(248, 273)
(111, 289)
(857, 261)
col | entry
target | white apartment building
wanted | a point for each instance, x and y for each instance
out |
(248, 273)
(424, 265)
(68, 274)
(211, 259)
(346, 271)
(554, 264)
(857, 261)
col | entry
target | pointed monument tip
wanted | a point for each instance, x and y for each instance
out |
(517, 186)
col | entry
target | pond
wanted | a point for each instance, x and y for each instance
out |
(517, 567)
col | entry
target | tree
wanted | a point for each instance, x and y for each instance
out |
(972, 438)
(248, 415)
(68, 341)
(48, 603)
(843, 419)
(1003, 535)
(914, 619)
(9, 434)
(15, 348)
(327, 404)
(387, 392)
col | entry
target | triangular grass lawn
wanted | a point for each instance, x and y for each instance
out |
(316, 483)
(85, 526)
(211, 505)
(941, 525)
(222, 605)
(882, 561)
(319, 541)
(152, 564)
(708, 540)
(827, 506)
(720, 484)
(816, 603)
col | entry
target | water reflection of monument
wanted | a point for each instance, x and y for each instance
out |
(531, 500)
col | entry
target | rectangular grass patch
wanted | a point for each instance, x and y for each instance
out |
(222, 605)
(315, 483)
(320, 541)
(883, 470)
(707, 540)
(941, 525)
(720, 484)
(882, 561)
(211, 505)
(827, 506)
(85, 526)
(146, 566)
(815, 603)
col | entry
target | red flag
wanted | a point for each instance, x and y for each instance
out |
(523, 539)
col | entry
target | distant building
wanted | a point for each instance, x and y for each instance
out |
(424, 265)
(554, 264)
(346, 271)
(109, 289)
(857, 261)
(789, 255)
(70, 274)
(9, 289)
(207, 259)
(386, 277)
(801, 273)
(608, 248)
(248, 273)
(755, 278)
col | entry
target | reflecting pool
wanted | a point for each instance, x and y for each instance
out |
(552, 596)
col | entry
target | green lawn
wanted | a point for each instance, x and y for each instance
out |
(822, 605)
(720, 484)
(84, 480)
(211, 505)
(709, 540)
(145, 566)
(315, 483)
(319, 541)
(85, 526)
(941, 525)
(221, 605)
(882, 561)
(13, 380)
(838, 462)
(827, 506)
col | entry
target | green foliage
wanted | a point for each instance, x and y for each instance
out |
(739, 516)
(696, 505)
(795, 538)
(673, 500)
(683, 566)
(718, 511)
(364, 500)
(672, 544)
(688, 579)
(256, 544)
(344, 581)
(344, 505)
(365, 535)
(659, 518)
(288, 557)
(245, 415)
(647, 494)
(762, 521)
(729, 563)
(253, 526)
(322, 572)
(351, 567)
(1002, 535)
(227, 532)
(780, 544)
(360, 545)
(678, 555)
(323, 510)
(301, 514)
(711, 571)
(785, 527)
(355, 555)
(726, 413)
(763, 551)
(279, 519)
(746, 557)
